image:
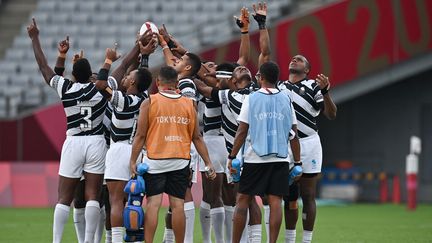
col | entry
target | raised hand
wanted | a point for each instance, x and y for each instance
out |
(63, 46)
(111, 53)
(260, 14)
(243, 20)
(146, 37)
(149, 48)
(77, 56)
(178, 50)
(33, 30)
(323, 82)
(164, 33)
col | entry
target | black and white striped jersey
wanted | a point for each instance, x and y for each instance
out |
(188, 89)
(84, 106)
(308, 103)
(107, 124)
(212, 117)
(231, 102)
(125, 111)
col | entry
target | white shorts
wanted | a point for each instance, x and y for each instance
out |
(217, 152)
(117, 161)
(310, 154)
(82, 153)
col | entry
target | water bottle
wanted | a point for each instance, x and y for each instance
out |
(142, 168)
(236, 164)
(296, 171)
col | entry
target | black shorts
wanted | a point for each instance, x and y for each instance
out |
(173, 183)
(265, 178)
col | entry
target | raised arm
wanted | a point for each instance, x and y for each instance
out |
(102, 83)
(243, 23)
(168, 55)
(260, 16)
(46, 70)
(330, 108)
(132, 56)
(203, 88)
(140, 136)
(63, 48)
(175, 46)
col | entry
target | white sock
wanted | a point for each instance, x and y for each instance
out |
(101, 226)
(79, 222)
(290, 236)
(117, 234)
(217, 216)
(189, 210)
(108, 236)
(168, 236)
(229, 213)
(267, 221)
(307, 236)
(255, 233)
(205, 221)
(92, 215)
(61, 216)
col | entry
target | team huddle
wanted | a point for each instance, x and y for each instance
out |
(203, 118)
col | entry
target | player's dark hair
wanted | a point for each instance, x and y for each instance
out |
(226, 66)
(144, 78)
(81, 70)
(168, 74)
(269, 72)
(195, 62)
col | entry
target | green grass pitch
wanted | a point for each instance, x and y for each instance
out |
(351, 223)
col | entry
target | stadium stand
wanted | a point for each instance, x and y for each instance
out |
(94, 25)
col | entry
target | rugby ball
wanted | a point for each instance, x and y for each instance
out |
(149, 25)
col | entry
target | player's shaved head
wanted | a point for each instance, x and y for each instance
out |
(167, 75)
(81, 70)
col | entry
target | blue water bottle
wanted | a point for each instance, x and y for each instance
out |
(236, 164)
(142, 168)
(296, 171)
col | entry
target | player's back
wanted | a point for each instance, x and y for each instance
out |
(83, 104)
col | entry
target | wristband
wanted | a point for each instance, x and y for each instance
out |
(165, 47)
(245, 32)
(109, 61)
(171, 44)
(144, 61)
(298, 163)
(231, 157)
(261, 20)
(325, 90)
(62, 55)
(103, 74)
(59, 70)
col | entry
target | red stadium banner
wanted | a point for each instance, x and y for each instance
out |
(345, 40)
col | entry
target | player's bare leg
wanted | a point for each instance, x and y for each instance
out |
(291, 213)
(116, 196)
(178, 218)
(66, 190)
(79, 210)
(266, 209)
(275, 216)
(151, 217)
(307, 192)
(240, 216)
(213, 191)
